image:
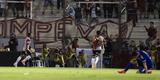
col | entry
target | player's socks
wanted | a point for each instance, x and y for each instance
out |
(128, 66)
(93, 66)
(15, 64)
(94, 61)
(23, 62)
(18, 59)
(148, 72)
(25, 59)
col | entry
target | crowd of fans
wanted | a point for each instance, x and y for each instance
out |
(134, 8)
(148, 8)
(67, 57)
(22, 8)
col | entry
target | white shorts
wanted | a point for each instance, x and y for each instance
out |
(95, 60)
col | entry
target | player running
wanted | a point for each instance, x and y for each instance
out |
(26, 50)
(98, 46)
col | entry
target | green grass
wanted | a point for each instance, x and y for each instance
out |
(23, 73)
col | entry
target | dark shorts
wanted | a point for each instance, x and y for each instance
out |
(96, 53)
(25, 53)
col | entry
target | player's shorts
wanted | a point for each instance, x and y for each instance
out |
(95, 60)
(25, 53)
(96, 53)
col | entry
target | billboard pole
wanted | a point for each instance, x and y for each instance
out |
(5, 18)
(63, 36)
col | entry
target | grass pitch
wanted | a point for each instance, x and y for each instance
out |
(31, 73)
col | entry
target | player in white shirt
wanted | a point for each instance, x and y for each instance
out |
(26, 51)
(98, 46)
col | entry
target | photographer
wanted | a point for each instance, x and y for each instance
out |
(13, 43)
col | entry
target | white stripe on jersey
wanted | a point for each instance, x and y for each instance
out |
(27, 43)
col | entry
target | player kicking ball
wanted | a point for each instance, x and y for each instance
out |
(143, 62)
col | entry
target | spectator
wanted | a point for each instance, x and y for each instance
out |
(158, 63)
(98, 10)
(46, 4)
(107, 56)
(27, 7)
(125, 46)
(108, 47)
(94, 17)
(13, 43)
(132, 12)
(60, 4)
(152, 33)
(132, 47)
(153, 54)
(70, 11)
(13, 7)
(70, 58)
(20, 8)
(2, 7)
(157, 3)
(109, 9)
(150, 8)
(75, 44)
(105, 10)
(87, 10)
(141, 45)
(45, 55)
(57, 58)
(78, 14)
(81, 59)
(157, 44)
(141, 7)
(115, 8)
